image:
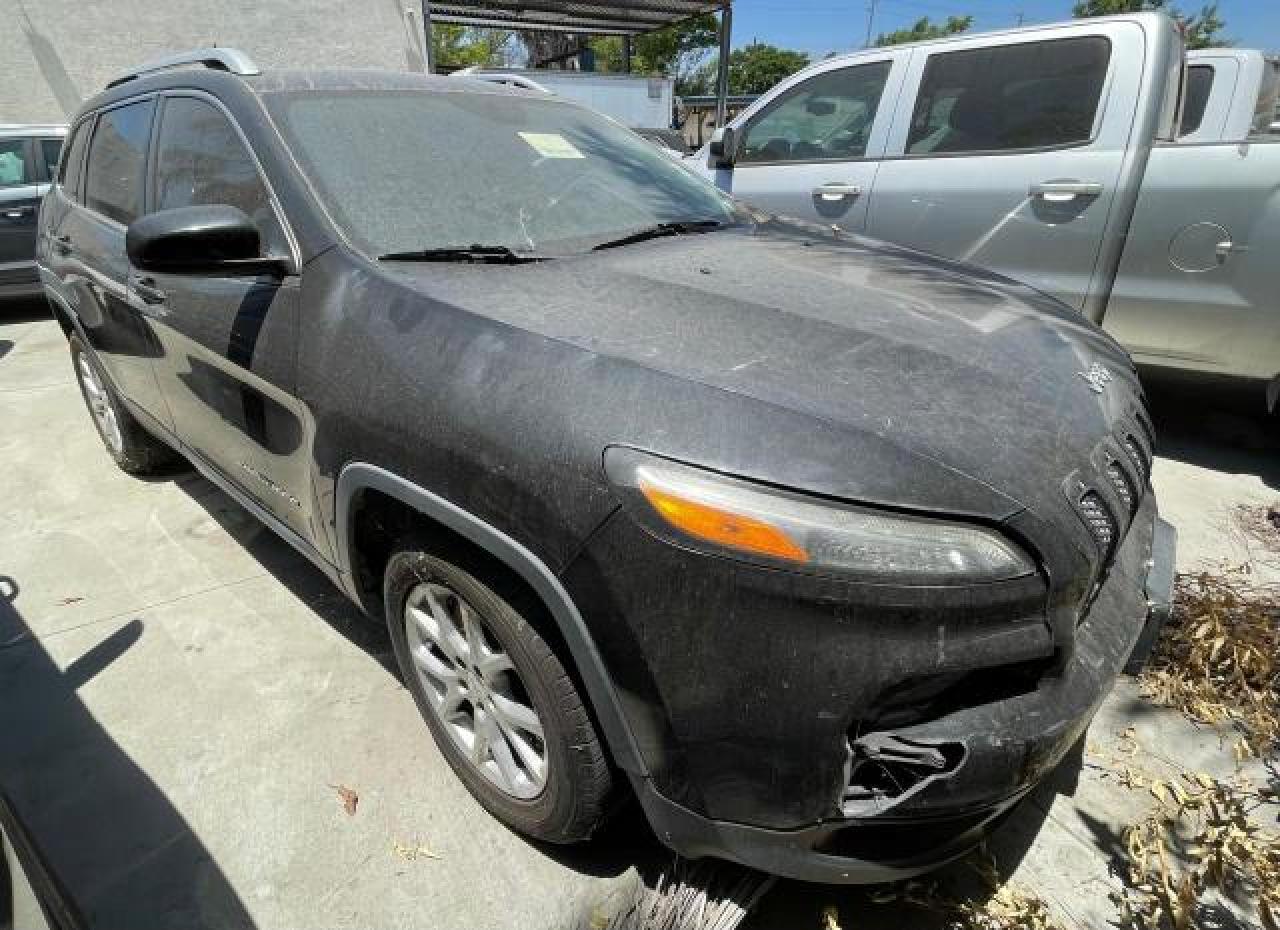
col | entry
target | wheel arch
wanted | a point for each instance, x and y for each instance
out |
(359, 477)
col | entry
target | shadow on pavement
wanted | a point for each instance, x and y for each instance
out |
(103, 827)
(1220, 426)
(24, 310)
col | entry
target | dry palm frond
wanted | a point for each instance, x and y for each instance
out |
(702, 895)
(1218, 661)
(1198, 837)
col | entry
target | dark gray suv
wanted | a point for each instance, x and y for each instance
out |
(824, 549)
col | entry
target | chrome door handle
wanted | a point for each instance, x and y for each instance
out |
(837, 190)
(18, 213)
(1065, 190)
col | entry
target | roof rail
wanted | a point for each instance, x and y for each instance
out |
(476, 73)
(222, 59)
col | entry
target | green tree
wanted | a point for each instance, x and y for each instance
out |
(753, 69)
(1202, 30)
(677, 51)
(925, 28)
(454, 46)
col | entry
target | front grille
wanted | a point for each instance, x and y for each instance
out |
(1124, 490)
(1099, 520)
(1139, 457)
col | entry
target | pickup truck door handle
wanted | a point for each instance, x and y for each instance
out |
(146, 289)
(17, 213)
(1065, 190)
(837, 190)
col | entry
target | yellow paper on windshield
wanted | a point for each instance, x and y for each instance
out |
(551, 145)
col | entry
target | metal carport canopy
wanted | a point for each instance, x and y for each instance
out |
(599, 17)
(596, 17)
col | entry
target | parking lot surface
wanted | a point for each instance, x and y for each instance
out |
(185, 703)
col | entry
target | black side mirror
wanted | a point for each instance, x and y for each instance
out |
(199, 240)
(724, 147)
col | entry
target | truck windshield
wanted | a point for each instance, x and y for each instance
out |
(403, 171)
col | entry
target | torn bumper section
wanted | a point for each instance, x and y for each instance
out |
(920, 794)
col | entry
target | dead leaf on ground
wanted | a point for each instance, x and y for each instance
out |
(348, 797)
(410, 852)
(69, 600)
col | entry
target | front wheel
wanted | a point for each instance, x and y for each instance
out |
(132, 448)
(503, 710)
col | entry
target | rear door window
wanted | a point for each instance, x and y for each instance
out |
(1032, 95)
(117, 161)
(15, 167)
(826, 118)
(201, 161)
(1199, 83)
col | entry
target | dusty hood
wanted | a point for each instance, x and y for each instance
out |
(975, 372)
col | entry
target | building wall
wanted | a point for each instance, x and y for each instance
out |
(56, 53)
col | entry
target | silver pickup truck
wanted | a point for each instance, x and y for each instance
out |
(1049, 154)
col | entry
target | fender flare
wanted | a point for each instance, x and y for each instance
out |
(360, 476)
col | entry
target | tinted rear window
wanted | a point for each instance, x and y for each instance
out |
(1026, 96)
(1199, 83)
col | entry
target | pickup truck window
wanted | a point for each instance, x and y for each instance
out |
(1006, 97)
(1199, 83)
(827, 117)
(1266, 113)
(201, 161)
(116, 158)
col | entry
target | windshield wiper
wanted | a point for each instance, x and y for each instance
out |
(678, 228)
(477, 254)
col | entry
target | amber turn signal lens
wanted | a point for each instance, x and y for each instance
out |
(723, 527)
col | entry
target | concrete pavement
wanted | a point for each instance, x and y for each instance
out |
(181, 696)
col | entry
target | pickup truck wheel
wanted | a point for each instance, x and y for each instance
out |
(134, 449)
(503, 710)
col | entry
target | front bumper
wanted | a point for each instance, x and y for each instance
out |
(1010, 747)
(734, 756)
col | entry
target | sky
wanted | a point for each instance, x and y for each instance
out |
(821, 26)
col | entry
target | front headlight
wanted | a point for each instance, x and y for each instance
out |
(729, 516)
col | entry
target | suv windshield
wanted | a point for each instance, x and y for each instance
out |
(404, 171)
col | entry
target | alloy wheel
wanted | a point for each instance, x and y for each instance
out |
(104, 413)
(474, 690)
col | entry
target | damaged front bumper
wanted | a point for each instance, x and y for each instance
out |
(971, 766)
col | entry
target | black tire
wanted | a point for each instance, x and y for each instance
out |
(573, 800)
(138, 452)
